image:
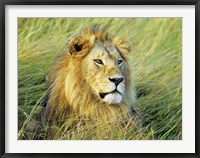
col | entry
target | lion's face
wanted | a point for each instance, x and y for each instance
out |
(105, 72)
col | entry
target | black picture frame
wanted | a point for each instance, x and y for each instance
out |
(4, 3)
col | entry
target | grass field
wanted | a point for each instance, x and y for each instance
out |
(156, 58)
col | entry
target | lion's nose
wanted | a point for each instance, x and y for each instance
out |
(116, 80)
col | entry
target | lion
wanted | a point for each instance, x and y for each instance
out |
(92, 80)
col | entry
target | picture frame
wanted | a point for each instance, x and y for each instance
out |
(3, 72)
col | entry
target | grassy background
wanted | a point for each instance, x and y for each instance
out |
(156, 58)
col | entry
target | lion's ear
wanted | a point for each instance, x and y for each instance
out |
(79, 45)
(122, 45)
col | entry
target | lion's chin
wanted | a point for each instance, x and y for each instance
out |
(113, 98)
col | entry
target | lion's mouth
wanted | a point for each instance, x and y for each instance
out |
(102, 95)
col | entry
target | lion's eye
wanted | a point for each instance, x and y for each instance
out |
(120, 62)
(98, 61)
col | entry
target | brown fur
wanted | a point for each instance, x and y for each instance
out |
(70, 97)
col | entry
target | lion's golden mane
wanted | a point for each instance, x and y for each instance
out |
(71, 97)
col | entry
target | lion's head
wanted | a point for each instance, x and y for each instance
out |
(92, 79)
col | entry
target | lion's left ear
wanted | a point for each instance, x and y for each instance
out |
(79, 46)
(122, 45)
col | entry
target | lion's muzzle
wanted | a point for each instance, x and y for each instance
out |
(115, 90)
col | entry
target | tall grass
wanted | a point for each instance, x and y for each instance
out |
(156, 57)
